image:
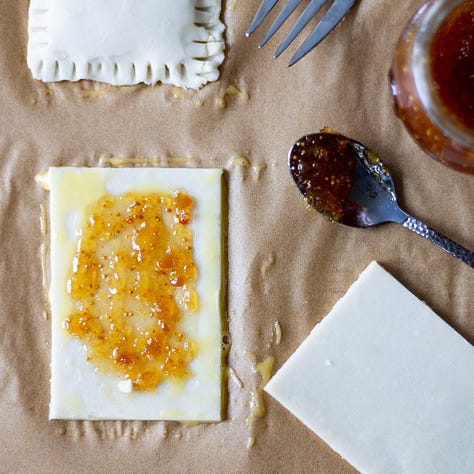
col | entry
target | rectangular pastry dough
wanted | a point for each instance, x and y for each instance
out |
(78, 390)
(385, 382)
(125, 42)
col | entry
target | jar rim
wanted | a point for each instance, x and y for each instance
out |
(438, 12)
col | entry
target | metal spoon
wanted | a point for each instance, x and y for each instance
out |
(348, 184)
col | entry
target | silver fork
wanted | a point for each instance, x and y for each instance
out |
(331, 18)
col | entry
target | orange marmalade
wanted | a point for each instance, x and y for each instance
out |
(432, 81)
(133, 278)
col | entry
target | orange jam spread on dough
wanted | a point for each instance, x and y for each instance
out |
(133, 278)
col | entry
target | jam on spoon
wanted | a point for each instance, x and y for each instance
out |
(348, 184)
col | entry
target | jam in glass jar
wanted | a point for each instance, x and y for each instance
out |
(432, 81)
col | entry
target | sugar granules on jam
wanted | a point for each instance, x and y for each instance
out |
(323, 167)
(133, 278)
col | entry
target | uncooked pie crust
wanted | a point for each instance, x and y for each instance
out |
(126, 42)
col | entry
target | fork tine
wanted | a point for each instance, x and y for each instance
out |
(331, 19)
(287, 10)
(313, 7)
(262, 12)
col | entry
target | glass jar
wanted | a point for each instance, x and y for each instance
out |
(432, 81)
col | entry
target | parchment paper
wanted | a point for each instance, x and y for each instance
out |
(286, 264)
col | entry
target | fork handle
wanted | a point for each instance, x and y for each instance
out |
(448, 245)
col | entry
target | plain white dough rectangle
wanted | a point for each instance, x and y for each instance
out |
(124, 42)
(78, 390)
(385, 382)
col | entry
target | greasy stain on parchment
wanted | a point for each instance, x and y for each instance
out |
(263, 369)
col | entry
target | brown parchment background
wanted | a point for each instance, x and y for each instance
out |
(286, 264)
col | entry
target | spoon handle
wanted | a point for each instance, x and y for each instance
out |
(455, 249)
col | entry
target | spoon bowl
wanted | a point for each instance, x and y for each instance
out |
(348, 184)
